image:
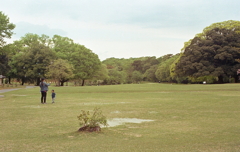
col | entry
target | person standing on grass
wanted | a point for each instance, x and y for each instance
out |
(44, 88)
(53, 96)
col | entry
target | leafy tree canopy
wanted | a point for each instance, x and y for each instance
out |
(214, 55)
(63, 46)
(32, 57)
(85, 62)
(5, 28)
(163, 72)
(102, 73)
(60, 70)
(137, 76)
(230, 25)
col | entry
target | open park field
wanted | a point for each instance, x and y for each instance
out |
(195, 118)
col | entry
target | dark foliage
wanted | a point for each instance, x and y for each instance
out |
(4, 67)
(215, 55)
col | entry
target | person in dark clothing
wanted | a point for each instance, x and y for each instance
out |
(44, 88)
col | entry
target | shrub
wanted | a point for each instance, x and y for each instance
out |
(92, 122)
(209, 79)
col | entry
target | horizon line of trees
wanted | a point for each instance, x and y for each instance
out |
(212, 56)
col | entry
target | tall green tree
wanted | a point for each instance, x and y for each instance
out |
(61, 71)
(32, 59)
(213, 56)
(6, 31)
(230, 25)
(5, 28)
(85, 62)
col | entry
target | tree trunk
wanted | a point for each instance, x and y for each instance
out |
(23, 80)
(220, 79)
(9, 80)
(58, 83)
(83, 81)
(38, 81)
(236, 78)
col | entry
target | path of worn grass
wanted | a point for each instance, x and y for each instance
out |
(186, 118)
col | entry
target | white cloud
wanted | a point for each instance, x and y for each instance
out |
(23, 28)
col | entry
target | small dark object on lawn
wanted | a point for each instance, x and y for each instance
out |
(90, 129)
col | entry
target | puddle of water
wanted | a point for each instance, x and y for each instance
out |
(120, 121)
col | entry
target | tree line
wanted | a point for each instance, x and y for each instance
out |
(211, 56)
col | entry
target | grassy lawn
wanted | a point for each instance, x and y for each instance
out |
(186, 118)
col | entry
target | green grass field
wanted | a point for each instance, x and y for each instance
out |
(204, 118)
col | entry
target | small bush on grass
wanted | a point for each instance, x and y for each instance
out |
(92, 122)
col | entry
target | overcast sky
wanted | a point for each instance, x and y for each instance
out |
(120, 28)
